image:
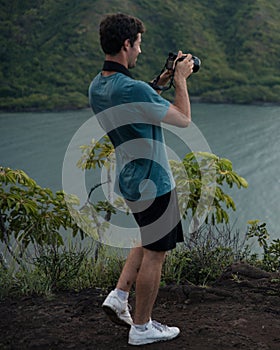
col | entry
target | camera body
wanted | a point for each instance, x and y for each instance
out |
(172, 57)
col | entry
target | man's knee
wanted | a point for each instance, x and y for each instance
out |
(154, 255)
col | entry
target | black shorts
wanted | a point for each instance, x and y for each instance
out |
(159, 221)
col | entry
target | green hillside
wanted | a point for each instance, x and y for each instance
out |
(50, 48)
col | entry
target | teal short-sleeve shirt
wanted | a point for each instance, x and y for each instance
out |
(130, 112)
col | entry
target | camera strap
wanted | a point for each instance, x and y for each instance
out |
(112, 66)
(154, 83)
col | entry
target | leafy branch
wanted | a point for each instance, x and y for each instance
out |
(30, 213)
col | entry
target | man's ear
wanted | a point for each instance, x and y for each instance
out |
(126, 44)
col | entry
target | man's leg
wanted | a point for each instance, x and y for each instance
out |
(145, 330)
(130, 269)
(147, 284)
(116, 304)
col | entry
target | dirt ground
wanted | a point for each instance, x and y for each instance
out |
(241, 311)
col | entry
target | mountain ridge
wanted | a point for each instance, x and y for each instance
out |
(50, 49)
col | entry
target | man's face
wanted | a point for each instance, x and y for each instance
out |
(134, 52)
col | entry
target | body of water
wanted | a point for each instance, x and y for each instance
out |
(247, 135)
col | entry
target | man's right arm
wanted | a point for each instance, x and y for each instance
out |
(179, 113)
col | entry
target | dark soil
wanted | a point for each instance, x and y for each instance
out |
(240, 312)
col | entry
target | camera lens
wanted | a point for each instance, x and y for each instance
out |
(196, 64)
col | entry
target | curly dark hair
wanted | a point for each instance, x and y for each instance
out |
(115, 29)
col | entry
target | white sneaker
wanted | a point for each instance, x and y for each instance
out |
(154, 332)
(117, 310)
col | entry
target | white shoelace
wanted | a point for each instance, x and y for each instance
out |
(159, 326)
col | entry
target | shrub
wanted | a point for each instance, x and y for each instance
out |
(203, 258)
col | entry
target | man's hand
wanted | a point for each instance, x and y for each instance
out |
(183, 68)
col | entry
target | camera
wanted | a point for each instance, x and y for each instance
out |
(169, 64)
(172, 57)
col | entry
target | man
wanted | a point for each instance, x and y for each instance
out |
(154, 206)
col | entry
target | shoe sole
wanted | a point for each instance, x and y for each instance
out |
(114, 317)
(151, 341)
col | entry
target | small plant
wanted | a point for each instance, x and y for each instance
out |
(59, 266)
(271, 251)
